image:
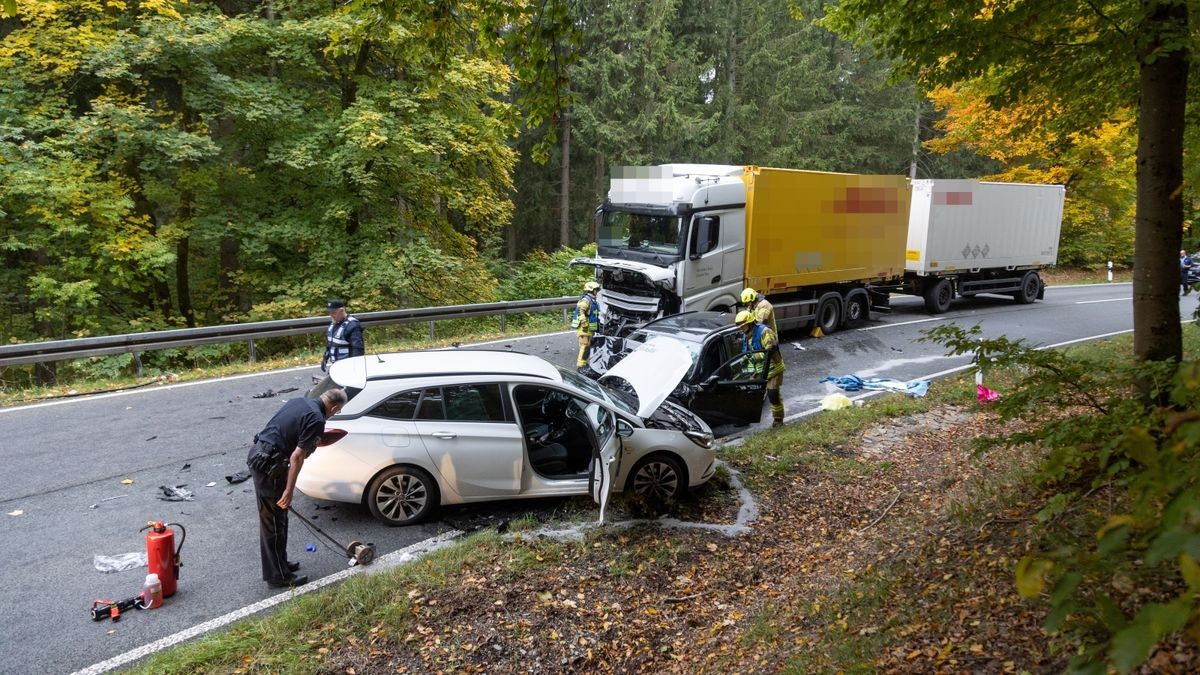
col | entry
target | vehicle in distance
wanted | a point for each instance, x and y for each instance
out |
(719, 386)
(427, 428)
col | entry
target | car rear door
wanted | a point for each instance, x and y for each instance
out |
(733, 392)
(472, 438)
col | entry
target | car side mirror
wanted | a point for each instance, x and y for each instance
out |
(624, 429)
(710, 382)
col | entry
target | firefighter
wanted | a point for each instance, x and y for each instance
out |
(343, 337)
(586, 320)
(767, 362)
(762, 310)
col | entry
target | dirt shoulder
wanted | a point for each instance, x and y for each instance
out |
(860, 560)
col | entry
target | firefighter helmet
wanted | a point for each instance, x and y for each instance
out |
(591, 287)
(748, 295)
(744, 319)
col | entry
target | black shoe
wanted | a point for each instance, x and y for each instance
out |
(293, 566)
(292, 581)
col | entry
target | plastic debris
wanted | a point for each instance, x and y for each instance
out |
(835, 402)
(797, 345)
(986, 395)
(127, 481)
(311, 548)
(18, 512)
(119, 563)
(175, 493)
(238, 477)
(211, 484)
(185, 467)
(272, 392)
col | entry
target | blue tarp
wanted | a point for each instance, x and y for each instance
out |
(856, 383)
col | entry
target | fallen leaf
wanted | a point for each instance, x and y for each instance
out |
(127, 481)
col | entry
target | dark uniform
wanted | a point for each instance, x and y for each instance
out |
(298, 424)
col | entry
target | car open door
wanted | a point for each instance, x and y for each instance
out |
(732, 395)
(606, 459)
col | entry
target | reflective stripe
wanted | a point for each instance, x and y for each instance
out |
(337, 344)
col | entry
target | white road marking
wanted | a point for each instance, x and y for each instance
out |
(907, 323)
(388, 561)
(1092, 302)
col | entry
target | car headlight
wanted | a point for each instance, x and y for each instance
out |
(703, 439)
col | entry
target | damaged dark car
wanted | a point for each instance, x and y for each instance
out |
(720, 386)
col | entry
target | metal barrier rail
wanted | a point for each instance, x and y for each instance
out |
(61, 350)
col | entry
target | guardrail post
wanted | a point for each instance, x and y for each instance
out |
(137, 363)
(566, 319)
(250, 344)
(503, 323)
(432, 331)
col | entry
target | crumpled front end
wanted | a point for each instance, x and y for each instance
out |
(631, 293)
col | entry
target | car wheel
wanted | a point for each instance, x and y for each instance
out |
(1030, 285)
(856, 311)
(402, 495)
(938, 296)
(658, 478)
(829, 315)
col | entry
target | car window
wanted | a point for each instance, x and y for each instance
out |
(474, 403)
(398, 407)
(742, 368)
(711, 359)
(431, 407)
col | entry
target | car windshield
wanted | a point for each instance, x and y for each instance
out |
(640, 232)
(618, 399)
(693, 348)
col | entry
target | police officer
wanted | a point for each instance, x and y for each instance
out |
(275, 459)
(343, 337)
(762, 310)
(758, 337)
(1185, 266)
(586, 320)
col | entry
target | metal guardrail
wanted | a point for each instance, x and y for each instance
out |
(61, 350)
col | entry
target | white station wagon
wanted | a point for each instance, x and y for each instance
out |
(427, 428)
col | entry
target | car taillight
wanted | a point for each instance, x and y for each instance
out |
(331, 436)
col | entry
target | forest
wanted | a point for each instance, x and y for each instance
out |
(167, 164)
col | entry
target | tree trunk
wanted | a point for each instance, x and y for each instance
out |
(1159, 223)
(601, 193)
(564, 194)
(45, 373)
(183, 287)
(230, 294)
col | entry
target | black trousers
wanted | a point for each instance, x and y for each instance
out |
(272, 525)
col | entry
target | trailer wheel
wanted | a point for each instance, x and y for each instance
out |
(829, 315)
(1031, 286)
(856, 311)
(938, 296)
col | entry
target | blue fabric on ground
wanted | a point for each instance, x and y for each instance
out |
(855, 383)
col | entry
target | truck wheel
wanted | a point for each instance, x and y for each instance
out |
(938, 296)
(829, 315)
(856, 311)
(1031, 285)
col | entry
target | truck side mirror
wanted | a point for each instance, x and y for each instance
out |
(702, 239)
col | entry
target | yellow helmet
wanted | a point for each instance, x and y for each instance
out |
(744, 318)
(591, 287)
(748, 295)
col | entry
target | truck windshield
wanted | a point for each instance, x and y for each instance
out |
(640, 232)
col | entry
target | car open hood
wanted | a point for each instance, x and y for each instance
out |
(654, 369)
(652, 273)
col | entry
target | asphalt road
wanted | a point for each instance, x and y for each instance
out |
(63, 466)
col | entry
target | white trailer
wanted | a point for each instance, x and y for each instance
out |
(967, 237)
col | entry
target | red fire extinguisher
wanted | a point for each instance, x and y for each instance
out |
(161, 554)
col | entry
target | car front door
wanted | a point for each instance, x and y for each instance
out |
(472, 439)
(731, 393)
(606, 462)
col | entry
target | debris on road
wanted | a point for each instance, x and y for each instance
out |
(106, 499)
(127, 481)
(272, 392)
(175, 493)
(119, 563)
(237, 477)
(18, 512)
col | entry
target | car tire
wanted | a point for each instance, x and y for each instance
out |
(1031, 285)
(856, 311)
(938, 296)
(402, 495)
(658, 478)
